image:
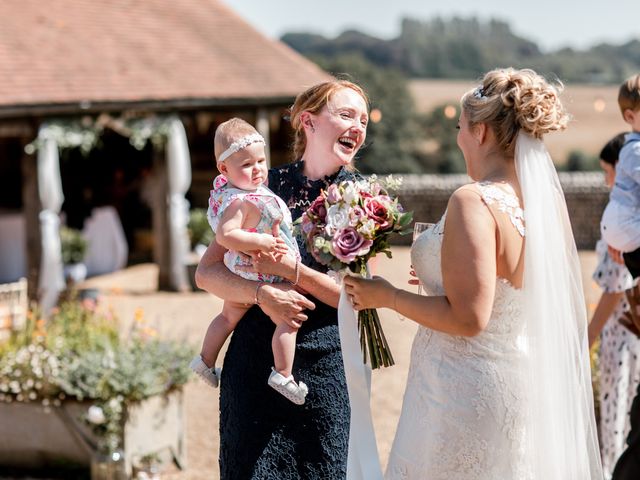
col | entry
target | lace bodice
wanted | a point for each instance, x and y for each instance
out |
(464, 408)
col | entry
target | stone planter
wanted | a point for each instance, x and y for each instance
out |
(34, 437)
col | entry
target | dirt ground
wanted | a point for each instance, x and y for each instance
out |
(185, 316)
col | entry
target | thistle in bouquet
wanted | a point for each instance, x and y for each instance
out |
(344, 227)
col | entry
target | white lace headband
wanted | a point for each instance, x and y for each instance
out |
(238, 145)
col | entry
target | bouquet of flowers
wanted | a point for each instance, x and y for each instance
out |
(344, 227)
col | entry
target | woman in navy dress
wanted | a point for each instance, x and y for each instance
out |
(262, 434)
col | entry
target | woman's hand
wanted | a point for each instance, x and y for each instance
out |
(414, 280)
(269, 264)
(283, 304)
(373, 293)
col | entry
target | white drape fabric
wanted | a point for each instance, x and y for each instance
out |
(51, 280)
(561, 433)
(363, 462)
(179, 170)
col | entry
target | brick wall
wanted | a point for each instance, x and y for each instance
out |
(585, 193)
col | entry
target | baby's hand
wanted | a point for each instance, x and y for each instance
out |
(273, 245)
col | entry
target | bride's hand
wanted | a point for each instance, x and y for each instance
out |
(414, 280)
(373, 293)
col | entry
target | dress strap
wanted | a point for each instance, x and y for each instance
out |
(506, 202)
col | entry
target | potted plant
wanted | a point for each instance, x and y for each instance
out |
(73, 248)
(200, 236)
(96, 395)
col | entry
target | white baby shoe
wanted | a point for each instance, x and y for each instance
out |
(211, 375)
(296, 392)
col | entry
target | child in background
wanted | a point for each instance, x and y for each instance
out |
(619, 364)
(620, 224)
(246, 216)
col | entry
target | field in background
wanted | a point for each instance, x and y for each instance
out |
(596, 117)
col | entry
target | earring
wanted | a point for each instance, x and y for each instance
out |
(313, 130)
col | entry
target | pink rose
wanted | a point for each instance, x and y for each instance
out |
(377, 210)
(348, 244)
(333, 194)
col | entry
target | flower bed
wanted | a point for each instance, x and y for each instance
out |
(77, 375)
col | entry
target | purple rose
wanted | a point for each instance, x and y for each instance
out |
(318, 210)
(333, 194)
(348, 244)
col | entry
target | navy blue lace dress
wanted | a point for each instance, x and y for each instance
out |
(262, 434)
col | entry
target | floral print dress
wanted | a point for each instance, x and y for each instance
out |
(619, 364)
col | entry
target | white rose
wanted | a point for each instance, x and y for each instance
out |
(95, 415)
(367, 229)
(350, 194)
(337, 218)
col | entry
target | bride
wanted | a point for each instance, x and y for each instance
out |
(499, 385)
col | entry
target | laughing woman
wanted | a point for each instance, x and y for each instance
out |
(262, 435)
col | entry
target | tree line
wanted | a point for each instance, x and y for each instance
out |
(465, 48)
(406, 141)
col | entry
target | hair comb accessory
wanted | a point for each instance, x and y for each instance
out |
(479, 93)
(238, 145)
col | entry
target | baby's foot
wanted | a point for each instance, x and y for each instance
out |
(211, 375)
(296, 392)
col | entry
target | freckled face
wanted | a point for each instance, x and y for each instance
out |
(341, 126)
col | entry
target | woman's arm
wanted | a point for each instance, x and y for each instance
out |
(469, 275)
(279, 301)
(320, 285)
(606, 305)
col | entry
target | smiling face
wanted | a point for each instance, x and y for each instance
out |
(247, 168)
(340, 128)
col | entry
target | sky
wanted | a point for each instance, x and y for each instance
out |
(552, 24)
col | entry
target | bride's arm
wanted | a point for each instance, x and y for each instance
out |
(279, 301)
(468, 269)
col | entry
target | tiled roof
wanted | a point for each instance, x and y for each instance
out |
(71, 51)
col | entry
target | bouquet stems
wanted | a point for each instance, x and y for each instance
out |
(372, 339)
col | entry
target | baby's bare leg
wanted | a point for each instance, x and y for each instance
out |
(219, 330)
(283, 345)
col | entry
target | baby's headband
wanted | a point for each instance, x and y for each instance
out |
(238, 145)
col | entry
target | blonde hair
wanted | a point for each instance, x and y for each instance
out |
(313, 100)
(230, 131)
(510, 100)
(629, 94)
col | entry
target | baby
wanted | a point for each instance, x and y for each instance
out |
(246, 216)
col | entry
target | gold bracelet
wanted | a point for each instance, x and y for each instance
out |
(255, 300)
(297, 272)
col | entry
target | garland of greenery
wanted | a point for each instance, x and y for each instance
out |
(85, 134)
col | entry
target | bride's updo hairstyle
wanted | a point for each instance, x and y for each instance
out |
(313, 100)
(510, 100)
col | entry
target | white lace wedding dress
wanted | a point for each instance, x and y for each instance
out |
(464, 405)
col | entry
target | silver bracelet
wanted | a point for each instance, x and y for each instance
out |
(255, 300)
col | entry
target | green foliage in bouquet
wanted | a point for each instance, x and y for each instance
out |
(80, 353)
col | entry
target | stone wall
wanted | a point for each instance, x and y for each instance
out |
(585, 192)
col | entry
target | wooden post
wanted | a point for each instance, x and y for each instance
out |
(262, 125)
(31, 207)
(160, 222)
